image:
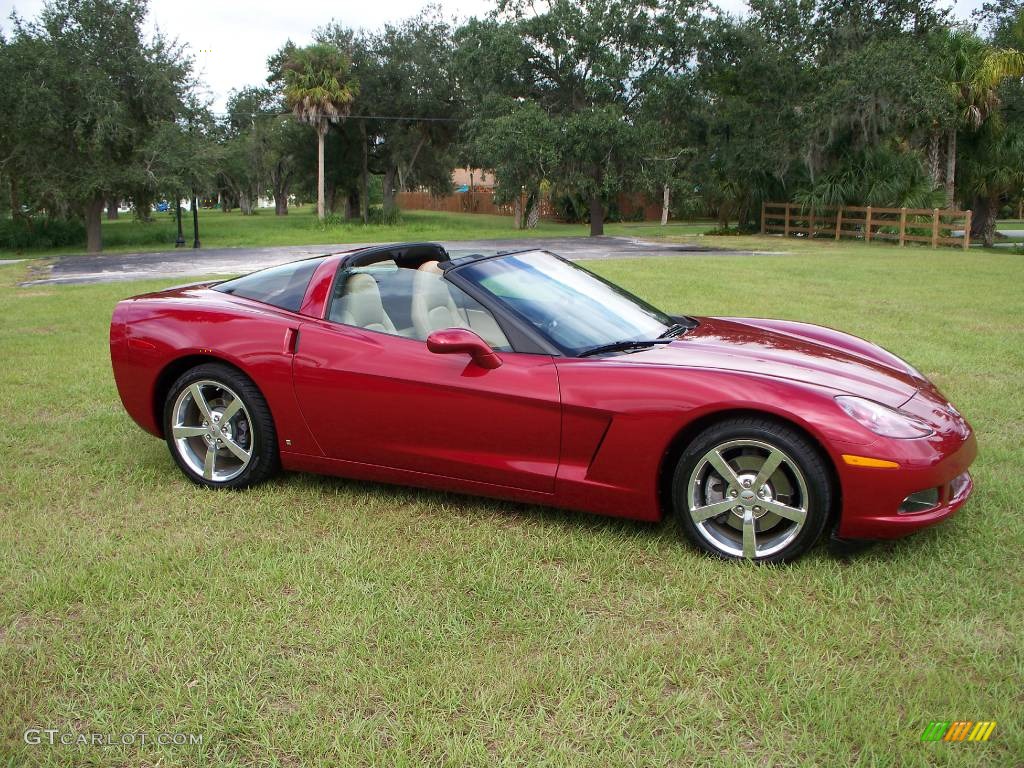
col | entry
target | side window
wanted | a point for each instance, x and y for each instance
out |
(363, 297)
(283, 286)
(438, 304)
(412, 303)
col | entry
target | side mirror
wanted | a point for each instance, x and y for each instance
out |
(454, 340)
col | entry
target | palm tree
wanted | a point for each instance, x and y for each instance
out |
(993, 168)
(975, 70)
(319, 90)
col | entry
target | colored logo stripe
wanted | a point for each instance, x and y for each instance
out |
(982, 731)
(959, 730)
(935, 731)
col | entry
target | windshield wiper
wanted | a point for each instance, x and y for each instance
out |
(676, 329)
(622, 346)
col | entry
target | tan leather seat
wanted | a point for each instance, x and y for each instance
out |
(361, 305)
(433, 308)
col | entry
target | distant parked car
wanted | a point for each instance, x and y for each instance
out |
(163, 206)
(523, 376)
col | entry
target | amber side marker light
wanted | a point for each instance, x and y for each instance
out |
(867, 461)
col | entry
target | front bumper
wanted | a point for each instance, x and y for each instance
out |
(872, 497)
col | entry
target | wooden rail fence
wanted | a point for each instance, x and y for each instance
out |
(898, 225)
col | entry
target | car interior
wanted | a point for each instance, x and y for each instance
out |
(405, 294)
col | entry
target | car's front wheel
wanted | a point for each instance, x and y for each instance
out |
(752, 488)
(219, 428)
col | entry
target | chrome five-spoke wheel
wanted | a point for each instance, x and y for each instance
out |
(747, 498)
(219, 427)
(752, 488)
(212, 430)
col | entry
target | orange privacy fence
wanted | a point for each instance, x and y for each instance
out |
(899, 225)
(477, 201)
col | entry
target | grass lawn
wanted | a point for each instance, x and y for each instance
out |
(321, 622)
(300, 227)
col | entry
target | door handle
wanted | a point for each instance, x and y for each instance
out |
(291, 341)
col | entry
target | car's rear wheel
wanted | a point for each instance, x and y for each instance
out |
(752, 488)
(219, 428)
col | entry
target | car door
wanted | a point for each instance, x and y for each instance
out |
(383, 398)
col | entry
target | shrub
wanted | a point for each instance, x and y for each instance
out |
(24, 233)
(743, 229)
(330, 221)
(378, 216)
(152, 232)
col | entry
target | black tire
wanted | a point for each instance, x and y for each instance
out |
(804, 472)
(251, 427)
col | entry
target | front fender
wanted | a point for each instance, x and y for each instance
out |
(619, 424)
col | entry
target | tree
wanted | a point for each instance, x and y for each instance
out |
(243, 167)
(519, 143)
(803, 97)
(100, 89)
(319, 91)
(884, 175)
(585, 63)
(1004, 22)
(20, 61)
(974, 71)
(752, 133)
(283, 142)
(409, 106)
(993, 168)
(181, 158)
(264, 148)
(669, 132)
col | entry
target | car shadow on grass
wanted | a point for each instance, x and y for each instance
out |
(666, 533)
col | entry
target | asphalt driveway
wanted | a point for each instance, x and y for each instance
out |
(186, 262)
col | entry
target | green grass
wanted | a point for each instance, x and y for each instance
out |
(300, 227)
(320, 622)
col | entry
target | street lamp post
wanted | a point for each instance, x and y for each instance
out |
(195, 219)
(181, 238)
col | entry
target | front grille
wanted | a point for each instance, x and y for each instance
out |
(921, 501)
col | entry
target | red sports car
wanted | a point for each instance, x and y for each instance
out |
(523, 376)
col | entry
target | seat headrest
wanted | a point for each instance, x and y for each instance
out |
(361, 283)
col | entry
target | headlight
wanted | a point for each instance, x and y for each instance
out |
(882, 420)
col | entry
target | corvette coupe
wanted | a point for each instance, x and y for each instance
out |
(526, 377)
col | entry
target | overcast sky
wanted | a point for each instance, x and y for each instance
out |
(231, 41)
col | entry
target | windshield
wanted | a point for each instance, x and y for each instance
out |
(573, 308)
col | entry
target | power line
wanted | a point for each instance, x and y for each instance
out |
(350, 117)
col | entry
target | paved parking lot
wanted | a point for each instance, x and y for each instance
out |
(186, 262)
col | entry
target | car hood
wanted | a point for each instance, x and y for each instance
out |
(793, 351)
